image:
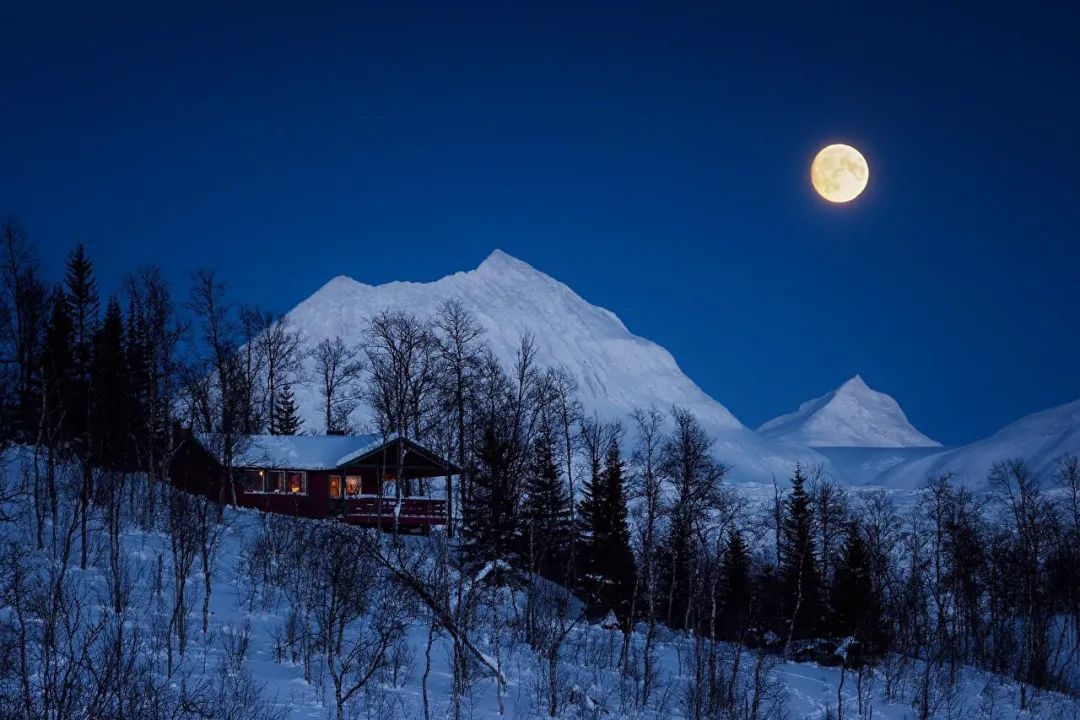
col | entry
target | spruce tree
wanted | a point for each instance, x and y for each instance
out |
(546, 524)
(734, 590)
(285, 418)
(110, 407)
(800, 580)
(83, 305)
(491, 512)
(855, 607)
(608, 559)
(137, 362)
(57, 368)
(82, 299)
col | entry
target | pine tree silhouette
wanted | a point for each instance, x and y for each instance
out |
(81, 296)
(800, 581)
(734, 590)
(546, 522)
(58, 371)
(285, 419)
(111, 402)
(491, 510)
(856, 608)
(608, 559)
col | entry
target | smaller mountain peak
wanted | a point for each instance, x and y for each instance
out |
(339, 282)
(497, 255)
(855, 383)
(501, 267)
(502, 260)
(853, 415)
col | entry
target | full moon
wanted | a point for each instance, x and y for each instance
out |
(839, 173)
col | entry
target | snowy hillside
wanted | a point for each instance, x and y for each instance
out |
(617, 371)
(251, 662)
(1040, 439)
(853, 415)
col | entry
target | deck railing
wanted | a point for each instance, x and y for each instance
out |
(408, 512)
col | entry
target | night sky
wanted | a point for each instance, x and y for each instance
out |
(654, 158)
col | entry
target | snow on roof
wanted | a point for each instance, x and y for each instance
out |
(374, 441)
(298, 452)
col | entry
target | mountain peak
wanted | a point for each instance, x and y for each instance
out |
(502, 262)
(615, 370)
(854, 383)
(853, 415)
(340, 285)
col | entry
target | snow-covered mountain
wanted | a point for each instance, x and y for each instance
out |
(862, 436)
(616, 370)
(1040, 439)
(853, 415)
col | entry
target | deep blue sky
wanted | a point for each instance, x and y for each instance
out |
(655, 158)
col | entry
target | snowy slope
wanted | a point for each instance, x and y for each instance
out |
(1040, 439)
(853, 415)
(616, 370)
(589, 663)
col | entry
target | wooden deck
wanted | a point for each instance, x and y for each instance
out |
(383, 512)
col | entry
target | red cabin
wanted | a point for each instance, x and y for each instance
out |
(368, 480)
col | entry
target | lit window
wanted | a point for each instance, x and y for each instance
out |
(297, 483)
(335, 486)
(352, 485)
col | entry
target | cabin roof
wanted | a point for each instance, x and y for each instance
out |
(308, 452)
(298, 452)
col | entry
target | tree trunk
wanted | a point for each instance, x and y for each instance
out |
(427, 670)
(84, 502)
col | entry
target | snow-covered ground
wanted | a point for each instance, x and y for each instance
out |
(590, 685)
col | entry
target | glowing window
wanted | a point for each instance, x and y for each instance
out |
(335, 486)
(296, 483)
(352, 485)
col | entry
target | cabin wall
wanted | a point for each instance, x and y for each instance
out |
(313, 504)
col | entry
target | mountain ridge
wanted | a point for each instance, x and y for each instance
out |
(508, 298)
(858, 434)
(852, 415)
(1040, 439)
